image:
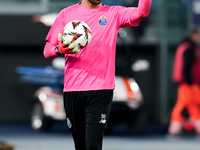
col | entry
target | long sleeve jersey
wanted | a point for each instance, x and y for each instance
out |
(93, 68)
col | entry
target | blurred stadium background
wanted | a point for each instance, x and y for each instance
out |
(155, 40)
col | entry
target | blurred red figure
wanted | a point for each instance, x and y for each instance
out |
(186, 73)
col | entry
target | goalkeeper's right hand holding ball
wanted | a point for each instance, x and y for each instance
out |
(65, 47)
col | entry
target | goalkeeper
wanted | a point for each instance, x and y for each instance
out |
(89, 73)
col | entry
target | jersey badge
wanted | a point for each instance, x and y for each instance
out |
(69, 123)
(103, 21)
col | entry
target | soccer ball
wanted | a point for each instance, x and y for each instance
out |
(78, 33)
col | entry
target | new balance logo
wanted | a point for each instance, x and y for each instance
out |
(103, 118)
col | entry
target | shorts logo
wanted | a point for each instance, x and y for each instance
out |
(103, 118)
(69, 123)
(103, 21)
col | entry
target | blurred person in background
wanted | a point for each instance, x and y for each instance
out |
(186, 73)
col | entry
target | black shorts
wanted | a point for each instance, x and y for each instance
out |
(87, 108)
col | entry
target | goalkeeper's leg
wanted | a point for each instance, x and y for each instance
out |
(91, 139)
(79, 139)
(94, 137)
(76, 119)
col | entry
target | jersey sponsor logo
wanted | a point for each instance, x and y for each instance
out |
(69, 124)
(103, 119)
(103, 21)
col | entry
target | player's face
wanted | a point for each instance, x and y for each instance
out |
(95, 2)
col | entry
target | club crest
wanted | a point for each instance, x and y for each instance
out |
(103, 21)
(69, 124)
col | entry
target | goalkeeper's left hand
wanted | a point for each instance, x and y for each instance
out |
(65, 47)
